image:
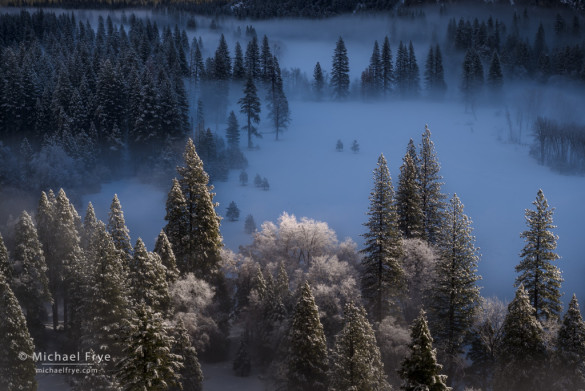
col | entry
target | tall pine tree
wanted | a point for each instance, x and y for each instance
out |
(250, 107)
(539, 276)
(340, 71)
(382, 275)
(571, 349)
(408, 202)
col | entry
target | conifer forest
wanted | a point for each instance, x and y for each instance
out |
(292, 195)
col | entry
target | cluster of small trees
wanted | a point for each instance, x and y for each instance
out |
(560, 145)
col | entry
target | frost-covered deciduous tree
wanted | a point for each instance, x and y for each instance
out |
(419, 263)
(420, 370)
(382, 275)
(356, 363)
(16, 373)
(306, 362)
(539, 276)
(393, 338)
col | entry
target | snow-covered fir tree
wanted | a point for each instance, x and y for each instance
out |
(521, 361)
(30, 282)
(432, 199)
(420, 370)
(537, 273)
(340, 71)
(177, 224)
(5, 265)
(17, 368)
(356, 363)
(202, 239)
(456, 271)
(149, 362)
(382, 275)
(306, 362)
(408, 202)
(117, 228)
(191, 376)
(148, 279)
(90, 224)
(571, 349)
(105, 305)
(163, 248)
(250, 107)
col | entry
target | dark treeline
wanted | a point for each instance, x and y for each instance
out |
(77, 102)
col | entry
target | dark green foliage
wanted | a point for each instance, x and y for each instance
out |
(15, 373)
(434, 73)
(252, 59)
(382, 275)
(571, 348)
(420, 370)
(408, 203)
(387, 67)
(191, 376)
(306, 368)
(239, 71)
(539, 276)
(277, 103)
(472, 80)
(340, 71)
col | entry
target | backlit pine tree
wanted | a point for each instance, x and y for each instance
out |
(356, 363)
(420, 370)
(408, 203)
(537, 273)
(571, 349)
(382, 276)
(117, 228)
(306, 365)
(148, 279)
(191, 376)
(163, 248)
(455, 295)
(432, 200)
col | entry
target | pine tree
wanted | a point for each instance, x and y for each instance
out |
(522, 352)
(432, 200)
(148, 363)
(190, 374)
(242, 363)
(571, 348)
(249, 225)
(17, 368)
(382, 276)
(30, 282)
(148, 279)
(408, 202)
(318, 82)
(117, 228)
(252, 59)
(250, 106)
(387, 68)
(265, 60)
(277, 103)
(239, 70)
(177, 227)
(340, 71)
(233, 132)
(232, 213)
(222, 66)
(163, 248)
(401, 70)
(90, 224)
(356, 363)
(376, 69)
(455, 293)
(541, 278)
(495, 79)
(202, 238)
(420, 370)
(413, 72)
(472, 80)
(307, 355)
(430, 70)
(105, 305)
